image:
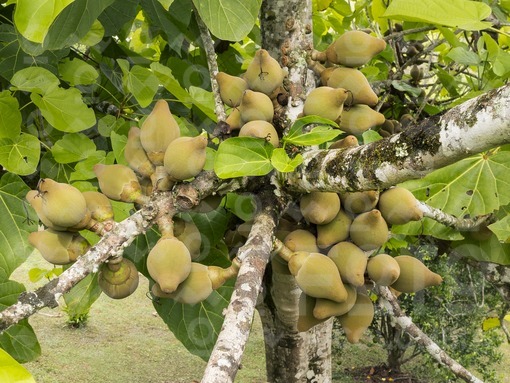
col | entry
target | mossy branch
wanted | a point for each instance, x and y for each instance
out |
(460, 224)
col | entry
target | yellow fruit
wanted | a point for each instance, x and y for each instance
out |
(324, 308)
(356, 321)
(335, 231)
(369, 230)
(260, 129)
(231, 88)
(219, 275)
(188, 233)
(234, 119)
(264, 73)
(347, 142)
(35, 199)
(157, 131)
(399, 206)
(58, 247)
(185, 157)
(383, 269)
(195, 288)
(351, 262)
(359, 202)
(118, 280)
(135, 155)
(169, 263)
(301, 240)
(326, 102)
(319, 207)
(256, 106)
(99, 206)
(118, 182)
(306, 319)
(414, 275)
(354, 48)
(359, 118)
(356, 83)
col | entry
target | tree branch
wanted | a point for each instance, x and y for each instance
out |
(460, 224)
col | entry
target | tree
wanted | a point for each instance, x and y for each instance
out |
(78, 76)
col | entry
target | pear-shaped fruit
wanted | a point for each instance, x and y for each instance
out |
(414, 275)
(369, 230)
(219, 275)
(324, 308)
(264, 74)
(301, 240)
(99, 205)
(359, 202)
(119, 279)
(260, 129)
(317, 276)
(359, 118)
(188, 233)
(335, 231)
(135, 155)
(118, 182)
(354, 48)
(346, 142)
(58, 247)
(62, 204)
(169, 263)
(356, 83)
(399, 206)
(231, 88)
(157, 131)
(256, 106)
(34, 197)
(326, 102)
(306, 319)
(195, 288)
(383, 269)
(185, 157)
(351, 262)
(356, 321)
(234, 119)
(319, 207)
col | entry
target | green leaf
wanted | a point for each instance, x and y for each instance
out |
(35, 79)
(212, 226)
(204, 100)
(13, 372)
(229, 19)
(243, 156)
(65, 110)
(118, 144)
(491, 250)
(117, 15)
(10, 116)
(142, 83)
(283, 163)
(243, 206)
(167, 79)
(94, 35)
(73, 148)
(371, 136)
(84, 170)
(296, 130)
(405, 87)
(20, 155)
(81, 297)
(20, 342)
(464, 56)
(77, 72)
(316, 136)
(453, 13)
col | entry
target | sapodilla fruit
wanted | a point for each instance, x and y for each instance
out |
(369, 230)
(169, 263)
(62, 204)
(306, 319)
(99, 205)
(351, 262)
(359, 202)
(188, 233)
(118, 182)
(356, 321)
(157, 131)
(383, 269)
(34, 198)
(319, 207)
(354, 49)
(195, 288)
(324, 308)
(264, 74)
(260, 129)
(356, 83)
(118, 279)
(335, 231)
(414, 275)
(185, 157)
(256, 106)
(135, 154)
(359, 118)
(326, 102)
(231, 88)
(317, 276)
(399, 206)
(301, 240)
(58, 247)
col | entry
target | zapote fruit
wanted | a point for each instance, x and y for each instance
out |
(319, 207)
(119, 183)
(383, 269)
(414, 275)
(356, 321)
(59, 247)
(231, 88)
(369, 230)
(264, 74)
(354, 49)
(326, 102)
(185, 157)
(118, 278)
(399, 206)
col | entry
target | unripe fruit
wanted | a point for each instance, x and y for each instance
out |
(157, 131)
(335, 231)
(256, 106)
(169, 263)
(301, 240)
(326, 102)
(58, 247)
(324, 308)
(264, 74)
(99, 206)
(414, 275)
(351, 262)
(118, 182)
(118, 280)
(355, 82)
(416, 73)
(62, 204)
(231, 88)
(319, 207)
(317, 276)
(260, 129)
(185, 157)
(195, 288)
(369, 230)
(354, 48)
(347, 142)
(357, 320)
(219, 275)
(399, 206)
(383, 269)
(306, 319)
(359, 202)
(234, 119)
(359, 118)
(135, 155)
(35, 199)
(188, 233)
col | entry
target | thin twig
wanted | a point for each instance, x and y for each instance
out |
(460, 224)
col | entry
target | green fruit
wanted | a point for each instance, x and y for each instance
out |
(260, 129)
(356, 321)
(35, 199)
(319, 207)
(359, 202)
(359, 118)
(231, 88)
(354, 49)
(62, 204)
(347, 142)
(157, 131)
(118, 182)
(188, 233)
(326, 102)
(58, 247)
(416, 73)
(169, 263)
(369, 230)
(414, 275)
(399, 206)
(301, 240)
(256, 106)
(383, 269)
(356, 83)
(335, 231)
(185, 157)
(119, 279)
(99, 206)
(234, 119)
(351, 262)
(135, 155)
(264, 73)
(219, 275)
(324, 308)
(195, 288)
(306, 319)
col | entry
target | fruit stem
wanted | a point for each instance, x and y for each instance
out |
(161, 181)
(316, 66)
(283, 251)
(319, 56)
(166, 225)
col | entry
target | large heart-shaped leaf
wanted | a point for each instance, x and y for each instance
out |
(11, 371)
(20, 155)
